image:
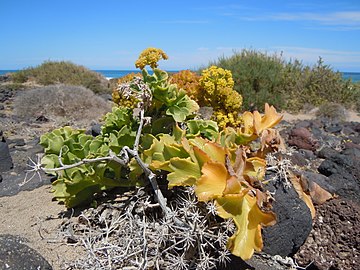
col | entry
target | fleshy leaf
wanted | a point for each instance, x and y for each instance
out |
(184, 172)
(206, 128)
(268, 120)
(295, 181)
(212, 182)
(255, 168)
(215, 151)
(248, 217)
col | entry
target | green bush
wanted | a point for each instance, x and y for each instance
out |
(64, 73)
(262, 78)
(316, 85)
(256, 77)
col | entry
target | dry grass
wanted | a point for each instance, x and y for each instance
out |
(72, 103)
(131, 233)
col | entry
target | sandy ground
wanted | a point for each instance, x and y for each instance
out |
(34, 216)
(351, 116)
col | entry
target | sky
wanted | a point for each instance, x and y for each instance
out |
(110, 34)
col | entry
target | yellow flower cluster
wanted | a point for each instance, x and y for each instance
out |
(189, 81)
(129, 103)
(214, 78)
(217, 87)
(150, 57)
(225, 119)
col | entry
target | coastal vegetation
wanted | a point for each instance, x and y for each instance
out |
(52, 72)
(260, 78)
(158, 138)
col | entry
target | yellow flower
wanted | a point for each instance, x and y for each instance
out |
(150, 57)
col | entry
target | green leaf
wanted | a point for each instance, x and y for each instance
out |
(206, 128)
(184, 172)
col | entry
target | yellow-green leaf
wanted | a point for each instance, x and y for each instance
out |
(248, 217)
(184, 172)
(215, 151)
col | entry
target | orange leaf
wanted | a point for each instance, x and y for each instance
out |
(268, 120)
(302, 195)
(212, 182)
(316, 192)
(215, 151)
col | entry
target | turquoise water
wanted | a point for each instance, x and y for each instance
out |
(115, 73)
(355, 76)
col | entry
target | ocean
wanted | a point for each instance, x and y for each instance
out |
(109, 74)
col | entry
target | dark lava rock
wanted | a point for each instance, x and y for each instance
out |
(335, 128)
(106, 97)
(298, 159)
(351, 145)
(13, 179)
(343, 172)
(42, 118)
(303, 124)
(334, 240)
(5, 157)
(354, 139)
(302, 139)
(5, 94)
(327, 152)
(5, 78)
(319, 179)
(257, 262)
(95, 130)
(293, 225)
(307, 154)
(14, 254)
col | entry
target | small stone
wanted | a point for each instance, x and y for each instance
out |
(5, 157)
(302, 139)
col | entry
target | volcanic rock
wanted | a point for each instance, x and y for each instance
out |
(293, 224)
(14, 254)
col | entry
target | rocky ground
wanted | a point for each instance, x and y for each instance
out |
(324, 151)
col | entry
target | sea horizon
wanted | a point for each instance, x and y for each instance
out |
(113, 73)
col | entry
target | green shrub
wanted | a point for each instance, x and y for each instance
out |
(64, 73)
(262, 78)
(256, 77)
(316, 85)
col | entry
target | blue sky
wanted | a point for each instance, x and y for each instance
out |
(110, 34)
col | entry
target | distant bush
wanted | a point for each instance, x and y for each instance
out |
(262, 78)
(53, 101)
(316, 85)
(12, 86)
(331, 110)
(64, 73)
